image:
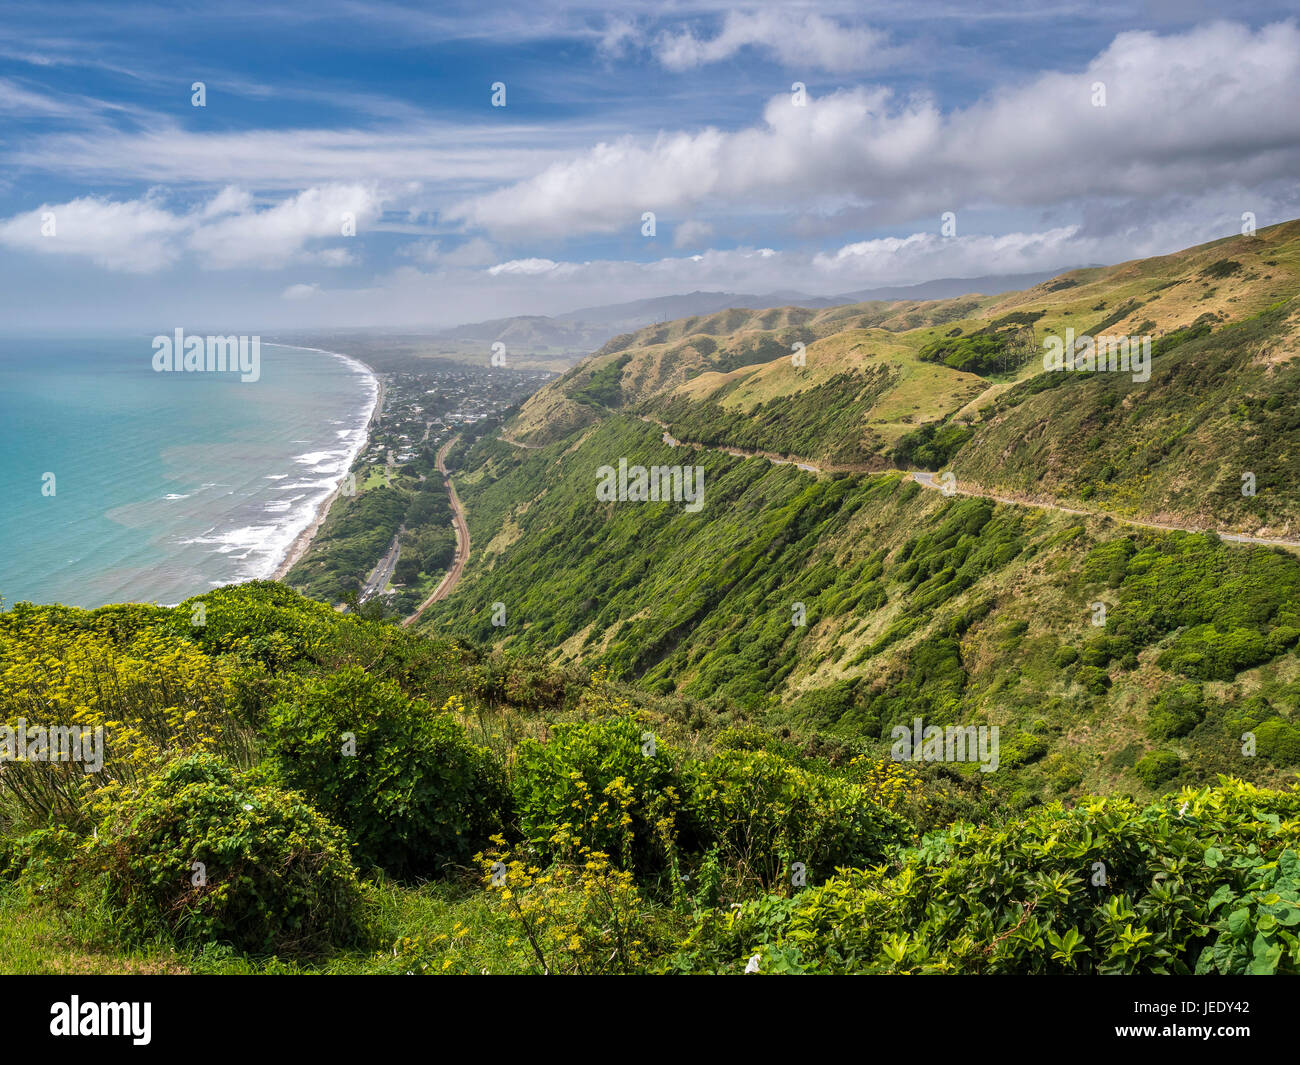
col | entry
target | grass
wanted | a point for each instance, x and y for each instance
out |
(456, 929)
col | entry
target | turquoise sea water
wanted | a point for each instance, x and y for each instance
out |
(165, 484)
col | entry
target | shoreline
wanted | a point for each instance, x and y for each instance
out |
(303, 540)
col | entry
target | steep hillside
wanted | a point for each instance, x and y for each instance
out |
(835, 597)
(845, 605)
(961, 382)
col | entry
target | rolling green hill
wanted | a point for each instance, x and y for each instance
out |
(961, 381)
(960, 609)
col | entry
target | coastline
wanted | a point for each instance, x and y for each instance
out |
(303, 540)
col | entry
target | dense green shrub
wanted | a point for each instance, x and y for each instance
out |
(1227, 608)
(986, 352)
(763, 814)
(1279, 741)
(261, 620)
(931, 446)
(1158, 767)
(604, 389)
(414, 794)
(1177, 712)
(615, 785)
(201, 853)
(1105, 887)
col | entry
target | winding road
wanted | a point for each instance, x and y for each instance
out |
(923, 478)
(927, 480)
(449, 582)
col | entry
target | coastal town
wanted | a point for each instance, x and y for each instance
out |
(420, 411)
(388, 538)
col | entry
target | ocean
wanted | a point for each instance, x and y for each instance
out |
(164, 485)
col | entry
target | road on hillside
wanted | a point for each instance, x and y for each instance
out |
(928, 480)
(527, 447)
(449, 582)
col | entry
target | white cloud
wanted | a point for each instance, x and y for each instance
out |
(798, 40)
(227, 232)
(300, 292)
(524, 266)
(691, 234)
(275, 236)
(230, 200)
(1174, 123)
(136, 236)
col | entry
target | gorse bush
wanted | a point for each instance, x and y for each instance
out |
(201, 854)
(414, 794)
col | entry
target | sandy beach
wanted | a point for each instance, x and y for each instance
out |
(304, 538)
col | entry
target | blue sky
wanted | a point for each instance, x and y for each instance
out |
(349, 168)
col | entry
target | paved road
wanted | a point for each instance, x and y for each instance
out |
(383, 572)
(449, 582)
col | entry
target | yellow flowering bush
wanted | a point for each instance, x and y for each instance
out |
(896, 785)
(610, 783)
(154, 696)
(579, 915)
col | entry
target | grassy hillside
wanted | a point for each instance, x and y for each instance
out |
(645, 739)
(961, 381)
(955, 609)
(1218, 406)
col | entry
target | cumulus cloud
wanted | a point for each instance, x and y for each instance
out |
(798, 40)
(226, 232)
(273, 237)
(300, 292)
(1172, 123)
(135, 236)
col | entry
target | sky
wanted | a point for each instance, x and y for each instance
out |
(343, 163)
